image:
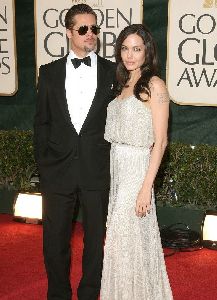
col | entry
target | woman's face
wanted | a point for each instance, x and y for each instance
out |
(133, 52)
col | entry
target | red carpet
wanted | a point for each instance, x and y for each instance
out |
(193, 276)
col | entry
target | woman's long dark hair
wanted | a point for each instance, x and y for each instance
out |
(148, 69)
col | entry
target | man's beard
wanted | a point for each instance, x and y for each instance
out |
(88, 49)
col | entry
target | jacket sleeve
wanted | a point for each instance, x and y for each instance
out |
(42, 118)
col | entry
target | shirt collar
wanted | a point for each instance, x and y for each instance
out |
(92, 55)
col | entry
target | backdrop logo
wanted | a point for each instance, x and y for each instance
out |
(96, 3)
(210, 3)
(74, 2)
(192, 53)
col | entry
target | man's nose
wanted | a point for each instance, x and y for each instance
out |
(89, 32)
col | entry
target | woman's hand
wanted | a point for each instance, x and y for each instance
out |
(143, 202)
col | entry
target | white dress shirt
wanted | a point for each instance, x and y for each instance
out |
(80, 85)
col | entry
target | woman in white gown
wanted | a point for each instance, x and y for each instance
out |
(136, 126)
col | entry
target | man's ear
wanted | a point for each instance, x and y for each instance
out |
(69, 33)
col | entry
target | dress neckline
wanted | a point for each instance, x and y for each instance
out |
(123, 99)
(133, 96)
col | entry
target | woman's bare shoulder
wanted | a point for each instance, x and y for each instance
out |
(157, 83)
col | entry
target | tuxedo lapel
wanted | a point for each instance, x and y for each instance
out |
(60, 88)
(101, 86)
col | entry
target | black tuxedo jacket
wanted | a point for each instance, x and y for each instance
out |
(66, 159)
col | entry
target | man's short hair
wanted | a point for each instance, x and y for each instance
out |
(77, 10)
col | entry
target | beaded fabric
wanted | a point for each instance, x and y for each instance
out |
(134, 267)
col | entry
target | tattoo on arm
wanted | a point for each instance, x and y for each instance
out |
(161, 97)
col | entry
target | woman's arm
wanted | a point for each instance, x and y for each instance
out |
(159, 104)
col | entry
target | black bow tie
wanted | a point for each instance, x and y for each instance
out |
(77, 61)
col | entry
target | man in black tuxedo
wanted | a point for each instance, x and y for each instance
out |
(72, 155)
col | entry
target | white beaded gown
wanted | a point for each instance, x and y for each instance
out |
(133, 267)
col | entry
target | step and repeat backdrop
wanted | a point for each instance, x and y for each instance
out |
(50, 37)
(8, 55)
(112, 16)
(185, 32)
(192, 52)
